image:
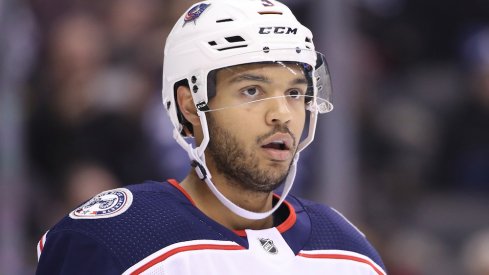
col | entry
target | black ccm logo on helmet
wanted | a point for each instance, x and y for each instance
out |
(277, 30)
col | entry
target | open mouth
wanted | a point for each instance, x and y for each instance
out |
(276, 145)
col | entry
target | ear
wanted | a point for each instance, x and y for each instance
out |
(187, 106)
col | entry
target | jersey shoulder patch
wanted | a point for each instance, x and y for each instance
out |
(107, 204)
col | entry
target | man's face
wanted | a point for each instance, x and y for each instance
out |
(254, 138)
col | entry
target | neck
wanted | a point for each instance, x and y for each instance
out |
(212, 207)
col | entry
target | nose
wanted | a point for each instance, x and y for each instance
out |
(278, 111)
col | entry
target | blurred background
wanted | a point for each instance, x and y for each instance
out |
(404, 155)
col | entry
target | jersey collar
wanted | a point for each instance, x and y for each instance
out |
(286, 206)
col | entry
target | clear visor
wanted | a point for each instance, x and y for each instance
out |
(300, 85)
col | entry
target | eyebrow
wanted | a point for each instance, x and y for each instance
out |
(264, 79)
(299, 80)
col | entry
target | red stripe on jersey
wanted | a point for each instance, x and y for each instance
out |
(41, 243)
(180, 188)
(286, 225)
(343, 257)
(172, 252)
(290, 221)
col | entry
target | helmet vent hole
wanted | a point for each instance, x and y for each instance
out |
(234, 39)
(224, 20)
(270, 12)
(308, 40)
(230, 42)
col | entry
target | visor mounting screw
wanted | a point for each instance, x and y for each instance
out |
(266, 49)
(195, 88)
(193, 79)
(297, 50)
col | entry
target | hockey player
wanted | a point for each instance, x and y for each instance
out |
(243, 80)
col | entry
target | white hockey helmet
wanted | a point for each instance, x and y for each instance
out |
(219, 34)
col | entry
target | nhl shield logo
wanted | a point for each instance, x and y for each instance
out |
(268, 245)
(104, 205)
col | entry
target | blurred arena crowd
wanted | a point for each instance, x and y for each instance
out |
(92, 117)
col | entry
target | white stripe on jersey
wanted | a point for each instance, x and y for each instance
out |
(341, 255)
(268, 253)
(163, 254)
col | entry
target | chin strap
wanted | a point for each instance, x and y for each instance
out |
(204, 175)
(198, 163)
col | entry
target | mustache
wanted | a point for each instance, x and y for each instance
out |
(277, 129)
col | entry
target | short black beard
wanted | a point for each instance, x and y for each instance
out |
(237, 165)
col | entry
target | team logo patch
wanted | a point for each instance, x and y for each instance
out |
(268, 245)
(195, 13)
(104, 205)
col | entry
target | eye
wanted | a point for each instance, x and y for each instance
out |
(251, 92)
(295, 93)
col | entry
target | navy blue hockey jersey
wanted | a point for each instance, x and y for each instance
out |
(154, 228)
